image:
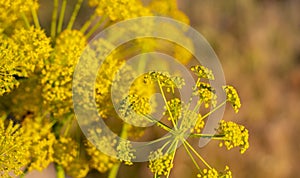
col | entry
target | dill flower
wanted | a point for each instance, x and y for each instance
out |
(78, 168)
(233, 97)
(175, 107)
(98, 160)
(125, 152)
(168, 8)
(14, 148)
(203, 72)
(213, 173)
(117, 10)
(58, 72)
(42, 139)
(160, 163)
(22, 55)
(133, 108)
(164, 79)
(234, 135)
(206, 94)
(15, 10)
(65, 151)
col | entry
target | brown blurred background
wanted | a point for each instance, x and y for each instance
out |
(258, 44)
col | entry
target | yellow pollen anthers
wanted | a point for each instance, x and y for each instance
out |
(38, 129)
(98, 160)
(65, 151)
(213, 173)
(118, 10)
(13, 10)
(160, 163)
(125, 152)
(22, 55)
(58, 72)
(234, 135)
(175, 106)
(78, 168)
(206, 94)
(203, 72)
(233, 97)
(14, 148)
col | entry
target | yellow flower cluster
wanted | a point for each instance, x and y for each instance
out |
(21, 55)
(14, 148)
(160, 163)
(125, 152)
(168, 8)
(58, 71)
(234, 135)
(98, 160)
(175, 107)
(133, 108)
(206, 94)
(65, 151)
(12, 11)
(203, 72)
(78, 168)
(213, 173)
(42, 139)
(233, 97)
(164, 79)
(117, 10)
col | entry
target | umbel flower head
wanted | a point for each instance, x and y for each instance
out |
(159, 163)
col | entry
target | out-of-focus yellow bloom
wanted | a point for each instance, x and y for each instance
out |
(13, 10)
(98, 160)
(38, 129)
(58, 72)
(118, 10)
(65, 151)
(78, 168)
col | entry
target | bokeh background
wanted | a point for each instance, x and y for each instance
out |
(258, 44)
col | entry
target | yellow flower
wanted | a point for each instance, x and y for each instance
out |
(234, 135)
(14, 148)
(58, 72)
(65, 151)
(38, 129)
(118, 10)
(233, 97)
(160, 163)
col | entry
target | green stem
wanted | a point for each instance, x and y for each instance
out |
(115, 169)
(216, 108)
(35, 18)
(96, 26)
(74, 14)
(54, 18)
(26, 20)
(159, 124)
(197, 154)
(61, 16)
(60, 173)
(172, 160)
(88, 23)
(191, 156)
(166, 103)
(207, 135)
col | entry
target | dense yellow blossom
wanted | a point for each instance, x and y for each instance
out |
(12, 11)
(99, 160)
(38, 129)
(234, 135)
(58, 71)
(22, 55)
(14, 148)
(213, 173)
(118, 10)
(160, 163)
(65, 151)
(233, 97)
(78, 168)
